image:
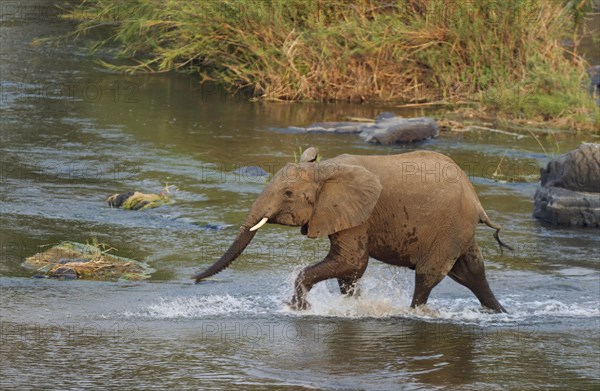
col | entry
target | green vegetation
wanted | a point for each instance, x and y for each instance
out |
(505, 55)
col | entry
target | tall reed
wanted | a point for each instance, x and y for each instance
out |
(505, 54)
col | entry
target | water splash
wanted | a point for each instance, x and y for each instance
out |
(198, 307)
(383, 294)
(386, 293)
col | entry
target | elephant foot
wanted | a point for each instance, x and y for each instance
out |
(298, 305)
(494, 310)
(352, 294)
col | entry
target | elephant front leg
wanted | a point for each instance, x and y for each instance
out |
(331, 267)
(301, 288)
(347, 260)
(348, 286)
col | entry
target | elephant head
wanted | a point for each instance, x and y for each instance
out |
(322, 198)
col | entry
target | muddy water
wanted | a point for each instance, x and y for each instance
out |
(71, 134)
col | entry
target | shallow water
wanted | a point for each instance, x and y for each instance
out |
(65, 148)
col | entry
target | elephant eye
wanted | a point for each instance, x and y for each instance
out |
(288, 193)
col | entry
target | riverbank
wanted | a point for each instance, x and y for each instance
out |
(506, 58)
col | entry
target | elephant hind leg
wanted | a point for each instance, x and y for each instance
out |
(424, 283)
(470, 272)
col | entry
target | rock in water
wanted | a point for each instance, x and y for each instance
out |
(394, 130)
(251, 172)
(385, 115)
(577, 170)
(117, 200)
(335, 127)
(70, 260)
(386, 129)
(134, 200)
(570, 189)
(64, 273)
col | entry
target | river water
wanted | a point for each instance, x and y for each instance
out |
(71, 134)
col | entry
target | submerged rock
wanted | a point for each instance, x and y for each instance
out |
(66, 273)
(386, 129)
(117, 200)
(335, 127)
(134, 200)
(214, 226)
(251, 172)
(69, 260)
(394, 130)
(570, 189)
(385, 115)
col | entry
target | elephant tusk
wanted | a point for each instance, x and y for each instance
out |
(260, 224)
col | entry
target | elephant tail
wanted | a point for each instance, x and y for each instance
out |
(486, 220)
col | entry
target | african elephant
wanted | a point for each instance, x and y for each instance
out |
(417, 210)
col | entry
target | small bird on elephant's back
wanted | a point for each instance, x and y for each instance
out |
(418, 210)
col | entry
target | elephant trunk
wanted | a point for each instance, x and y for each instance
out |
(240, 243)
(256, 218)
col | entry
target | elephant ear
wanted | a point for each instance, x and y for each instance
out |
(346, 198)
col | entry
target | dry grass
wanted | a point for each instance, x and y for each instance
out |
(506, 55)
(91, 261)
